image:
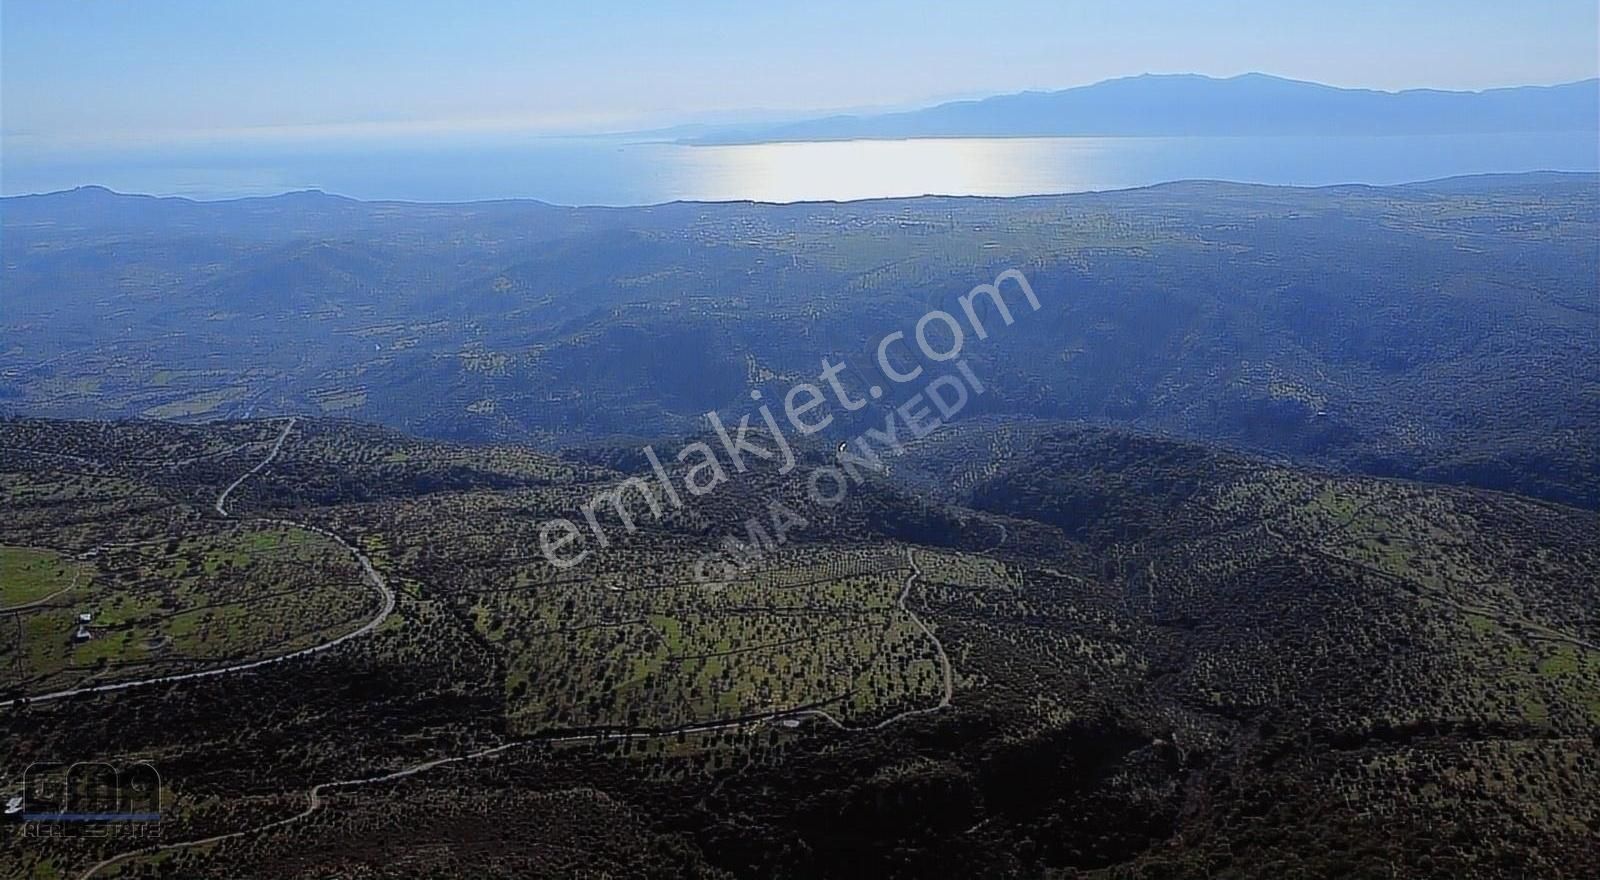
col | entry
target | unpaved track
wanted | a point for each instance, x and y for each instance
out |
(938, 647)
(314, 801)
(77, 574)
(277, 447)
(373, 577)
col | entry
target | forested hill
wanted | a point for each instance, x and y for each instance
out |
(1444, 331)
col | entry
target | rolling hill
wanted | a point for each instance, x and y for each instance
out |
(1444, 331)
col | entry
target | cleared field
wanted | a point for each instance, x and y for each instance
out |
(29, 575)
(215, 594)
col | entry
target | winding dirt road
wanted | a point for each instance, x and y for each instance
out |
(314, 801)
(938, 647)
(371, 573)
(277, 447)
(314, 796)
(77, 574)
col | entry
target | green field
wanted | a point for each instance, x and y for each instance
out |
(28, 575)
(183, 602)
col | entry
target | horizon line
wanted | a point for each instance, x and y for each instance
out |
(359, 128)
(339, 197)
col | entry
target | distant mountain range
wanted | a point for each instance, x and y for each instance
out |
(1189, 104)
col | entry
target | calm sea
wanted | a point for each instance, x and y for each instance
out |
(617, 172)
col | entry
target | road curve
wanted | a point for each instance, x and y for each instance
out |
(938, 647)
(77, 575)
(379, 583)
(277, 447)
(371, 573)
(314, 800)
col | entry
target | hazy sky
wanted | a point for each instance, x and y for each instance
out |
(91, 74)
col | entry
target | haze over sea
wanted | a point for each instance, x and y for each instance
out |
(617, 171)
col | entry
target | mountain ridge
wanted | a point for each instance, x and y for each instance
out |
(1456, 349)
(1197, 105)
(1514, 178)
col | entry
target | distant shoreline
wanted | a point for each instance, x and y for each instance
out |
(1189, 105)
(691, 142)
(98, 190)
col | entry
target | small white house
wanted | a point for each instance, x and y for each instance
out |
(85, 617)
(82, 635)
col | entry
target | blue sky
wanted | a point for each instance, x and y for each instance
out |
(107, 75)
